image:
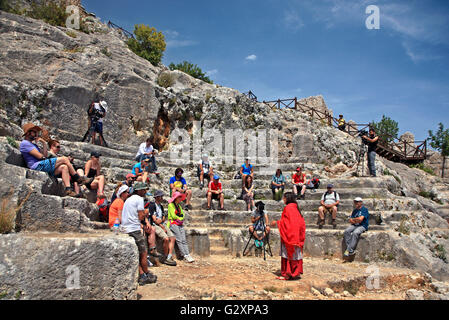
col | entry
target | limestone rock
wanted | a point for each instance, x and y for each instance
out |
(52, 266)
(413, 294)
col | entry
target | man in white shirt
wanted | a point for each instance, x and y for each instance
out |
(329, 204)
(146, 149)
(205, 170)
(132, 214)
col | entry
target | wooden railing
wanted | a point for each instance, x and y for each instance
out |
(250, 95)
(390, 147)
(125, 32)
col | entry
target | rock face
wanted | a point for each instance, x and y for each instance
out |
(48, 266)
(49, 77)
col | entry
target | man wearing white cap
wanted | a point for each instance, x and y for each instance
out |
(359, 224)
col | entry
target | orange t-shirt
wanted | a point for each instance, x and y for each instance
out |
(113, 210)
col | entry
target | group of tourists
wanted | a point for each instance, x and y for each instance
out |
(146, 220)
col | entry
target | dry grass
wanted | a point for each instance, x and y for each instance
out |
(8, 213)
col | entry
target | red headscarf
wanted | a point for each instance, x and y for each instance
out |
(292, 228)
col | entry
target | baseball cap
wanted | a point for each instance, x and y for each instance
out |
(122, 189)
(298, 169)
(95, 154)
(216, 177)
(330, 185)
(130, 175)
(358, 199)
(158, 193)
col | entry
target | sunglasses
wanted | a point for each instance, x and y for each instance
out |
(58, 147)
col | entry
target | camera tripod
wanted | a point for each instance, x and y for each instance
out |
(266, 240)
(89, 136)
(361, 158)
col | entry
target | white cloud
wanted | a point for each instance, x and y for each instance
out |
(180, 43)
(172, 40)
(251, 57)
(292, 21)
(211, 72)
(417, 53)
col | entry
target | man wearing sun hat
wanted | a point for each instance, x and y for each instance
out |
(116, 208)
(37, 159)
(359, 224)
(158, 218)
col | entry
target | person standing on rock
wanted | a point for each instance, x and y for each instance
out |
(329, 204)
(132, 214)
(292, 230)
(179, 184)
(372, 141)
(37, 160)
(175, 223)
(359, 224)
(97, 112)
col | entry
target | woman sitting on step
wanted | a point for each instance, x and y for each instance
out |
(248, 193)
(93, 170)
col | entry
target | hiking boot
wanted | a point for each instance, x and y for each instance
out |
(320, 223)
(221, 209)
(201, 186)
(156, 254)
(146, 278)
(84, 180)
(209, 208)
(169, 262)
(346, 254)
(69, 192)
(188, 258)
(334, 224)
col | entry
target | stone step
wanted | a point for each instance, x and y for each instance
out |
(266, 193)
(308, 226)
(393, 204)
(205, 216)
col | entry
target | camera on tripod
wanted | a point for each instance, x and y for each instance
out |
(363, 132)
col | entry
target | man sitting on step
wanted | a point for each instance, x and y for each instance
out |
(215, 192)
(329, 204)
(37, 160)
(359, 224)
(158, 218)
(205, 170)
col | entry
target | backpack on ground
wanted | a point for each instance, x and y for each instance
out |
(103, 209)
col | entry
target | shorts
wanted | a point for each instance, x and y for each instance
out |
(162, 234)
(215, 196)
(140, 241)
(47, 165)
(96, 126)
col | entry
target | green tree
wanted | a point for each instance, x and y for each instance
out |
(387, 129)
(440, 142)
(190, 69)
(149, 43)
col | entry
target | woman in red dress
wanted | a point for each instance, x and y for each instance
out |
(292, 229)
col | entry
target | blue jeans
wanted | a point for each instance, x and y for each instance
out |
(352, 236)
(372, 163)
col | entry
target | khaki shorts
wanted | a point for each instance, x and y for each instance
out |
(162, 234)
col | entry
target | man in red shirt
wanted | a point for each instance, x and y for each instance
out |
(299, 182)
(215, 191)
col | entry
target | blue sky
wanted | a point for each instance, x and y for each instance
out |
(283, 49)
